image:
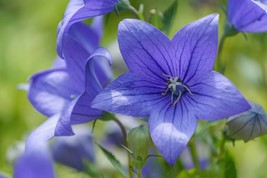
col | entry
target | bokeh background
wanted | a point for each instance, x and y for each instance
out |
(28, 43)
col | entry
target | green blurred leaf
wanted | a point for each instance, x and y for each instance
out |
(193, 173)
(229, 167)
(91, 170)
(168, 16)
(114, 161)
(156, 18)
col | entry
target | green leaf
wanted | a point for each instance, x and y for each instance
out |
(229, 167)
(156, 18)
(92, 170)
(168, 16)
(114, 161)
(193, 173)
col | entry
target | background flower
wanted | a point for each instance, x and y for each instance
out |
(78, 10)
(64, 92)
(247, 15)
(36, 163)
(247, 125)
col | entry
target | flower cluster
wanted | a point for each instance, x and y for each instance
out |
(170, 83)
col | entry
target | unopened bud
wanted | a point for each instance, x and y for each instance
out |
(247, 125)
(139, 143)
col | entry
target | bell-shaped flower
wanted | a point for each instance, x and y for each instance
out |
(64, 92)
(171, 82)
(77, 11)
(35, 163)
(247, 125)
(247, 15)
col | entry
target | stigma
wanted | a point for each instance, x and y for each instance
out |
(176, 88)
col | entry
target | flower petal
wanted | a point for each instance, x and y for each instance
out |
(63, 127)
(98, 71)
(37, 163)
(76, 150)
(82, 111)
(215, 97)
(144, 49)
(78, 10)
(42, 134)
(86, 36)
(129, 94)
(171, 128)
(247, 15)
(50, 90)
(76, 56)
(195, 47)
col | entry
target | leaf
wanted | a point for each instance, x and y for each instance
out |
(193, 173)
(156, 18)
(168, 16)
(229, 167)
(114, 161)
(91, 170)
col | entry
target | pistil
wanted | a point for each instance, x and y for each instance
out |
(176, 88)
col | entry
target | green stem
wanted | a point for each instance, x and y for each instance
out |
(134, 11)
(264, 72)
(139, 173)
(123, 130)
(193, 151)
(222, 145)
(220, 66)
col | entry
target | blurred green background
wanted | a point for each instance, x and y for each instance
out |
(27, 45)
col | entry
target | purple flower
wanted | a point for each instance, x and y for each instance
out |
(65, 92)
(78, 10)
(74, 151)
(248, 15)
(36, 163)
(171, 81)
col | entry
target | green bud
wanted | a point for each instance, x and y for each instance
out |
(247, 125)
(139, 143)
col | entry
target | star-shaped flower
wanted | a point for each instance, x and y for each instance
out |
(248, 15)
(171, 81)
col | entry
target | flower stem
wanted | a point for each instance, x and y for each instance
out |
(139, 173)
(123, 130)
(134, 11)
(193, 150)
(220, 66)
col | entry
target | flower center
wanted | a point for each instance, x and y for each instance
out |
(176, 88)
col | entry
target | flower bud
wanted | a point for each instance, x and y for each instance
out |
(247, 125)
(139, 143)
